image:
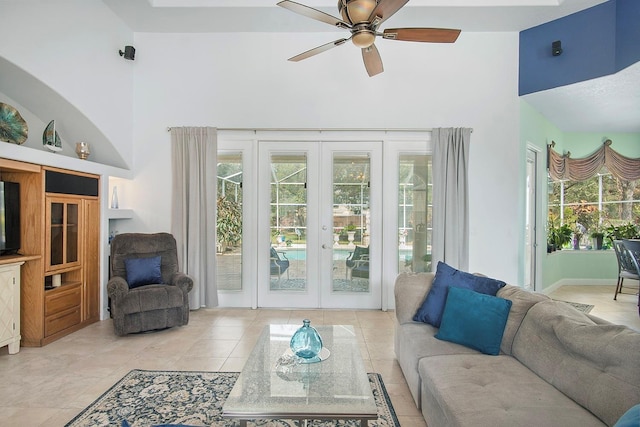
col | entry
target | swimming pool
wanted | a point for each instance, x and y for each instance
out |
(300, 254)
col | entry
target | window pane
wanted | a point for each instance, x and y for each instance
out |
(288, 252)
(229, 223)
(351, 218)
(588, 206)
(414, 213)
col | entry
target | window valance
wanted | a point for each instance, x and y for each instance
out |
(562, 166)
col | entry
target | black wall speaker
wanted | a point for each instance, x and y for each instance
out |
(129, 52)
(556, 48)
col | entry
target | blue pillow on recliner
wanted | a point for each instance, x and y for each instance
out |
(433, 305)
(143, 271)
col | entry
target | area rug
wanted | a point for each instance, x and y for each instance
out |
(585, 308)
(146, 398)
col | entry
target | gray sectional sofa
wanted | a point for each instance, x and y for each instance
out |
(556, 367)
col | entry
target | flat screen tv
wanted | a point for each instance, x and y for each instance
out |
(9, 218)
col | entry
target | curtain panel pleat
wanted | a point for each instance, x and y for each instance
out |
(563, 167)
(193, 219)
(451, 196)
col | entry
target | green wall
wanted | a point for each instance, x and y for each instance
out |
(537, 131)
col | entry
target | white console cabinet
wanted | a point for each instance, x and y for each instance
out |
(10, 306)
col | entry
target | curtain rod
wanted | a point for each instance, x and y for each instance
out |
(323, 130)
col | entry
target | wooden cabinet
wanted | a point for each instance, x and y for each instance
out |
(10, 306)
(60, 231)
(62, 308)
(91, 263)
(63, 222)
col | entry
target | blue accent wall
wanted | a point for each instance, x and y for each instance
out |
(598, 41)
(627, 33)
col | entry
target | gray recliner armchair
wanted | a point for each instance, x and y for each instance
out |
(146, 290)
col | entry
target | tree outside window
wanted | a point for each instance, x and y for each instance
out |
(589, 207)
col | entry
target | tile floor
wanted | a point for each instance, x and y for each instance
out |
(48, 386)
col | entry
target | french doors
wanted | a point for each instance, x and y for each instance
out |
(319, 224)
(531, 217)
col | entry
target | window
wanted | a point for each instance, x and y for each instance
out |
(587, 206)
(229, 222)
(415, 194)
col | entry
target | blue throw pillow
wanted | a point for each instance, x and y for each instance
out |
(143, 271)
(631, 418)
(474, 320)
(431, 309)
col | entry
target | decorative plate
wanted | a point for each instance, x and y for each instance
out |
(13, 128)
(48, 136)
(324, 355)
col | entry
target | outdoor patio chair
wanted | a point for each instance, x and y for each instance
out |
(279, 265)
(358, 263)
(626, 267)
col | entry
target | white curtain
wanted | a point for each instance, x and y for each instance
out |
(450, 197)
(193, 220)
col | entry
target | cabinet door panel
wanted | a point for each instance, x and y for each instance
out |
(64, 222)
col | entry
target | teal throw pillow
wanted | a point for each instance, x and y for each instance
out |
(446, 276)
(143, 271)
(474, 320)
(631, 418)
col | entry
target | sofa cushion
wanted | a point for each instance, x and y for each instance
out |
(431, 309)
(475, 320)
(414, 341)
(522, 301)
(409, 290)
(594, 364)
(478, 390)
(143, 271)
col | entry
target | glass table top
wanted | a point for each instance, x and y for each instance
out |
(337, 387)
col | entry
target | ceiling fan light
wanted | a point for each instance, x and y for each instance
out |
(356, 11)
(363, 39)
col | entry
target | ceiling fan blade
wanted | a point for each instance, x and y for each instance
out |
(432, 35)
(372, 60)
(312, 13)
(384, 10)
(317, 50)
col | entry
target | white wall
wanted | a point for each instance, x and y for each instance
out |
(243, 81)
(72, 47)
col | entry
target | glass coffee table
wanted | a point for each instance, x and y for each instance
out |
(335, 388)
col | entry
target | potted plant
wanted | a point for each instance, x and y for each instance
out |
(228, 224)
(598, 237)
(624, 231)
(351, 232)
(562, 236)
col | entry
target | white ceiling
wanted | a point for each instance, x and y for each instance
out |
(608, 104)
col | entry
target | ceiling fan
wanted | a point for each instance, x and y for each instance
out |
(362, 18)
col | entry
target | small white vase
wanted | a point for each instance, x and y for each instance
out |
(114, 198)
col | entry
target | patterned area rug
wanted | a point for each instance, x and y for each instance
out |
(146, 398)
(585, 308)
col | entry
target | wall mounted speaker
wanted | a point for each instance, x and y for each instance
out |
(556, 48)
(129, 52)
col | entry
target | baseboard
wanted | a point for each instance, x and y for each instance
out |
(578, 282)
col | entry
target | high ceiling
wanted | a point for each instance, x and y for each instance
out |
(608, 104)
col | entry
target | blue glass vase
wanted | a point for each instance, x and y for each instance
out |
(306, 342)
